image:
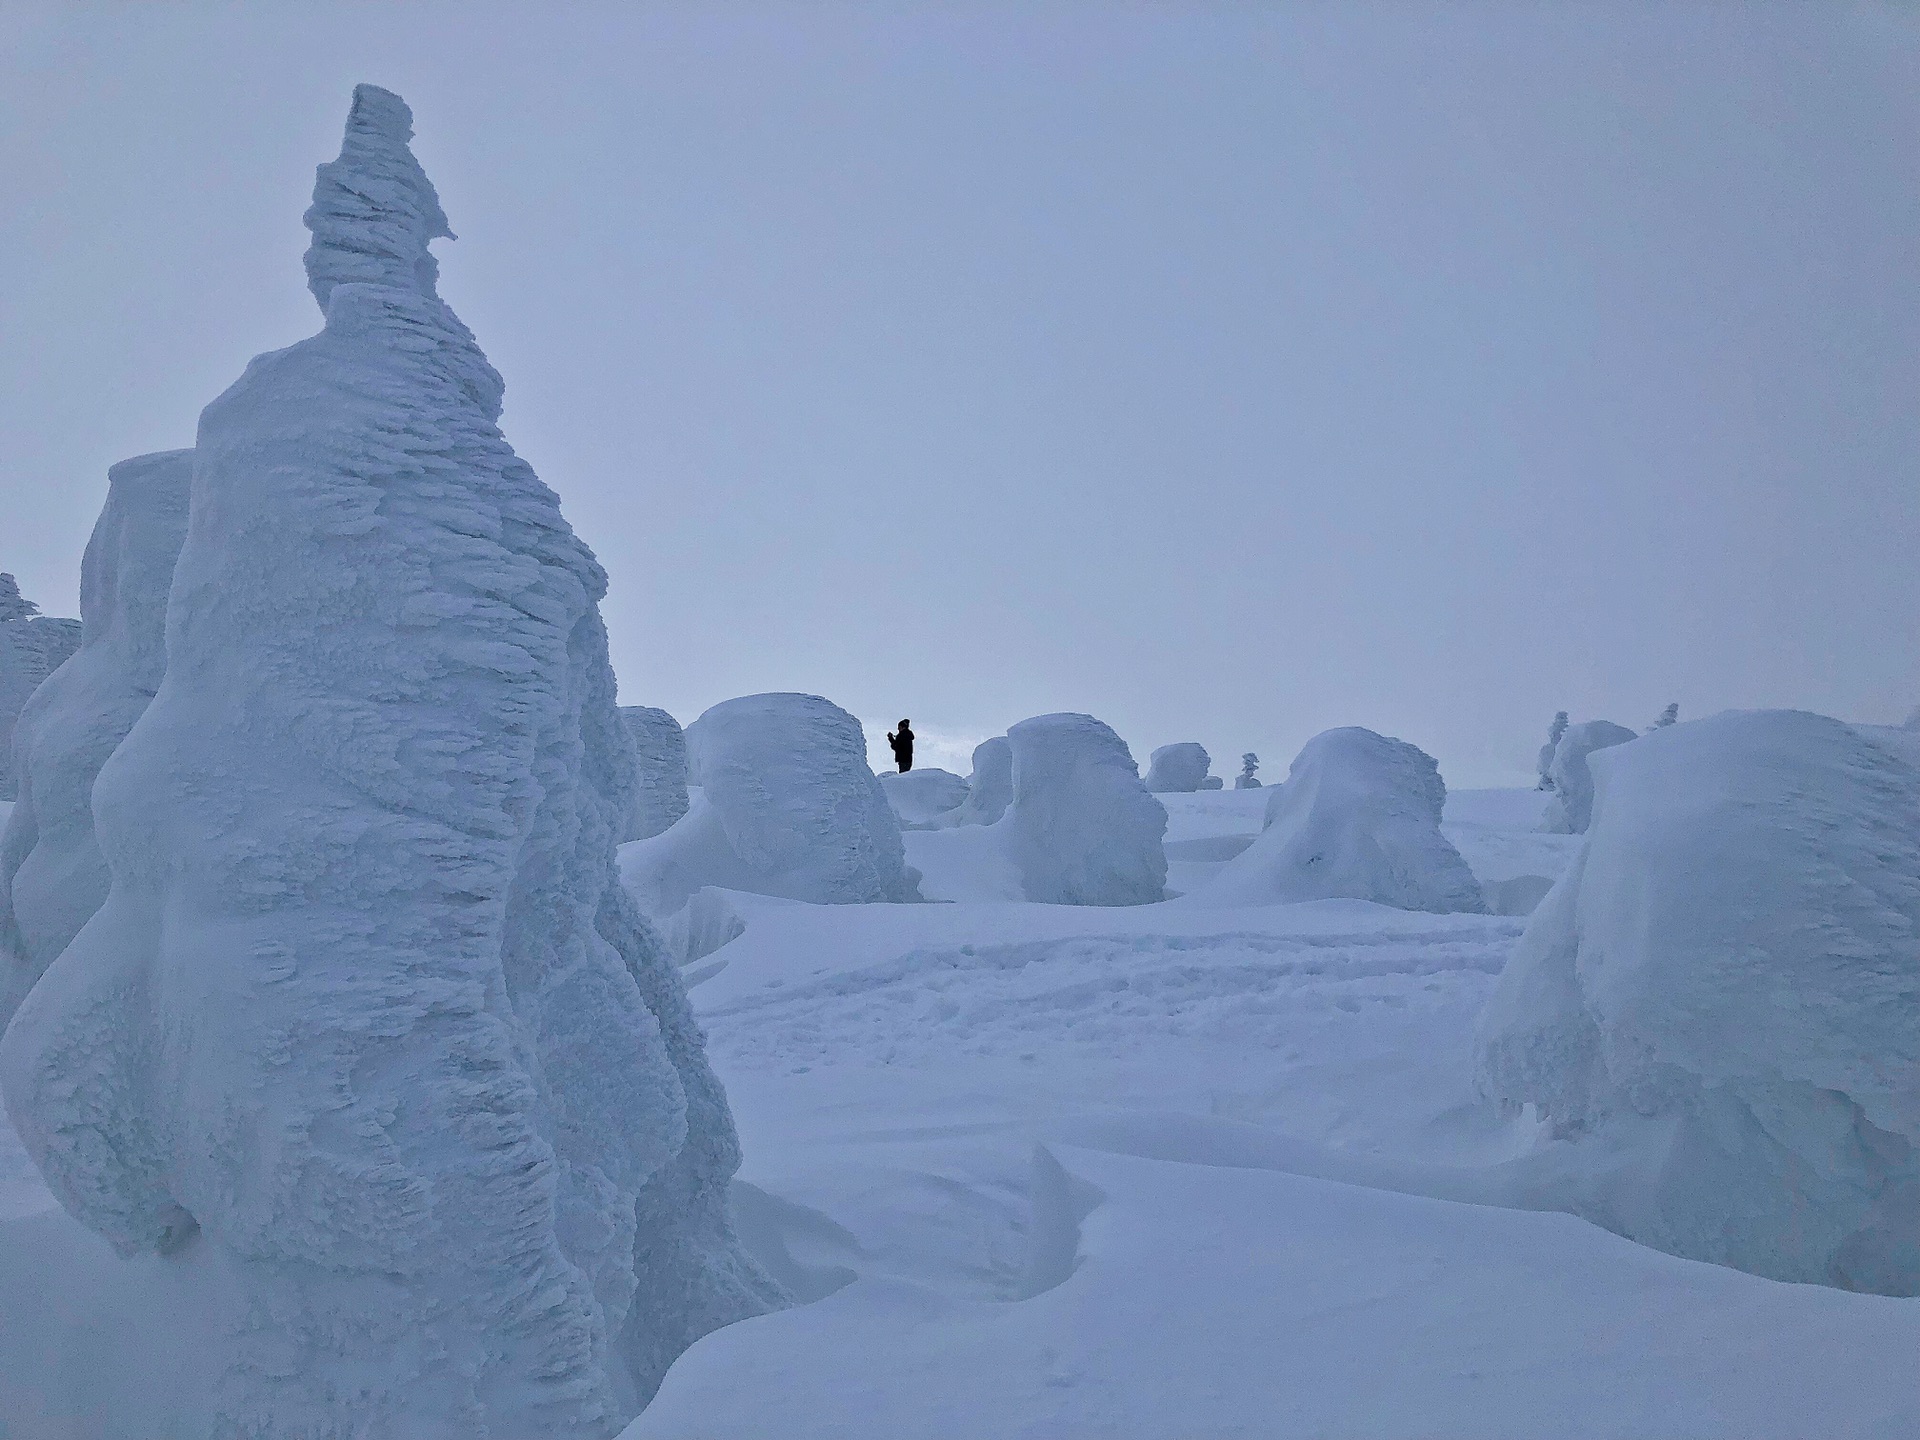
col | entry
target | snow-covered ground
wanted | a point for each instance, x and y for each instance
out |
(1170, 1171)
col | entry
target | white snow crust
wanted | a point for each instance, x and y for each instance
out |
(1358, 818)
(922, 796)
(366, 1058)
(1178, 769)
(32, 647)
(786, 806)
(1572, 806)
(660, 757)
(1719, 1004)
(52, 874)
(1082, 829)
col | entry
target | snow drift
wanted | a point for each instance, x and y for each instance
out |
(32, 647)
(1358, 818)
(1082, 829)
(1178, 769)
(787, 806)
(922, 797)
(1720, 1002)
(365, 1038)
(1572, 804)
(52, 874)
(660, 756)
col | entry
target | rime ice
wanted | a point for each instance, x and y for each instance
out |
(364, 1009)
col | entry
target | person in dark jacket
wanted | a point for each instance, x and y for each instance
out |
(902, 742)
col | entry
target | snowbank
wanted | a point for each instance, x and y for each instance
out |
(366, 1043)
(787, 806)
(1572, 805)
(1178, 769)
(52, 874)
(922, 797)
(660, 755)
(32, 647)
(1082, 829)
(1720, 1001)
(1358, 818)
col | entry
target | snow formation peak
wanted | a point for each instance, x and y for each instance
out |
(364, 1006)
(374, 211)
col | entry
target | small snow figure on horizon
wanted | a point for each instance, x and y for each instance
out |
(1668, 717)
(902, 742)
(1554, 733)
(1249, 763)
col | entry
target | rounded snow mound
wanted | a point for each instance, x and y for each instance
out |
(989, 788)
(1572, 806)
(920, 797)
(52, 874)
(1359, 819)
(1082, 829)
(787, 806)
(660, 754)
(1726, 986)
(1178, 769)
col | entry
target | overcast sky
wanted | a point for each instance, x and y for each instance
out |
(1226, 371)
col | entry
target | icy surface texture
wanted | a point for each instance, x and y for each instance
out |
(366, 1034)
(1082, 829)
(1726, 985)
(32, 647)
(1572, 785)
(989, 788)
(1359, 819)
(1177, 769)
(52, 874)
(660, 751)
(786, 806)
(921, 797)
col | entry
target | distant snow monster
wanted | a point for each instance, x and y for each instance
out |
(1545, 764)
(366, 1043)
(52, 874)
(1359, 818)
(1178, 769)
(1572, 804)
(989, 788)
(1718, 1006)
(1245, 780)
(32, 647)
(921, 797)
(787, 806)
(1668, 716)
(1082, 829)
(660, 756)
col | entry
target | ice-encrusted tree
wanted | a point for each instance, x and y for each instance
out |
(52, 874)
(660, 753)
(1246, 779)
(14, 605)
(32, 647)
(1668, 716)
(1545, 764)
(365, 1008)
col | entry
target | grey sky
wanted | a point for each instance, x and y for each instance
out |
(1228, 372)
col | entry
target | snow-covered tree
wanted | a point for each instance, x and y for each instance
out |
(1667, 717)
(1554, 732)
(1245, 780)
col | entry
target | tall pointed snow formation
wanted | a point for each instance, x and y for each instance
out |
(366, 1008)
